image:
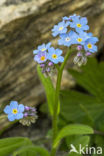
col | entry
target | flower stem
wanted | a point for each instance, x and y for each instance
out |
(55, 114)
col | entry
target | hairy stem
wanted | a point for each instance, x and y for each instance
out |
(55, 114)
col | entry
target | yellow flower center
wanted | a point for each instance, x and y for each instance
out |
(60, 28)
(79, 25)
(79, 39)
(54, 56)
(43, 49)
(14, 111)
(42, 58)
(89, 45)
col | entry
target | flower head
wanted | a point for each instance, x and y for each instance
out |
(80, 59)
(60, 28)
(81, 38)
(90, 44)
(67, 39)
(14, 111)
(80, 24)
(54, 55)
(42, 48)
(41, 57)
(30, 116)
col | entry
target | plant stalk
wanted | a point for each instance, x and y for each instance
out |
(55, 111)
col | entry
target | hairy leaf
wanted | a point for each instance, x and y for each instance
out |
(9, 145)
(72, 129)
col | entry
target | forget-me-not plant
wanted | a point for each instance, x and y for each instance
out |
(73, 33)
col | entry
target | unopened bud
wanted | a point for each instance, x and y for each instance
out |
(79, 47)
(50, 64)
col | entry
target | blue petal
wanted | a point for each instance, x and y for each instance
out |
(68, 23)
(54, 61)
(60, 42)
(11, 117)
(55, 34)
(79, 30)
(35, 51)
(94, 40)
(19, 116)
(51, 50)
(48, 45)
(65, 18)
(85, 47)
(36, 58)
(58, 52)
(90, 34)
(72, 24)
(13, 104)
(63, 31)
(83, 20)
(86, 27)
(61, 23)
(76, 20)
(63, 35)
(94, 48)
(61, 59)
(7, 109)
(21, 108)
(68, 44)
(71, 33)
(41, 46)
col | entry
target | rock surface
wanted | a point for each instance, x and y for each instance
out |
(24, 24)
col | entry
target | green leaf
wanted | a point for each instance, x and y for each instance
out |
(99, 123)
(9, 145)
(99, 140)
(25, 151)
(76, 141)
(87, 105)
(73, 154)
(31, 151)
(79, 107)
(49, 90)
(73, 129)
(91, 78)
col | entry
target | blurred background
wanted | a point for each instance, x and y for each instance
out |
(25, 24)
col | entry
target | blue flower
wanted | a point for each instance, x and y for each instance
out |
(90, 44)
(67, 39)
(14, 111)
(74, 16)
(70, 17)
(90, 34)
(79, 24)
(42, 48)
(54, 55)
(41, 57)
(66, 18)
(60, 28)
(81, 38)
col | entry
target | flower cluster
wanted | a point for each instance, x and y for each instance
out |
(47, 56)
(73, 31)
(17, 111)
(30, 116)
